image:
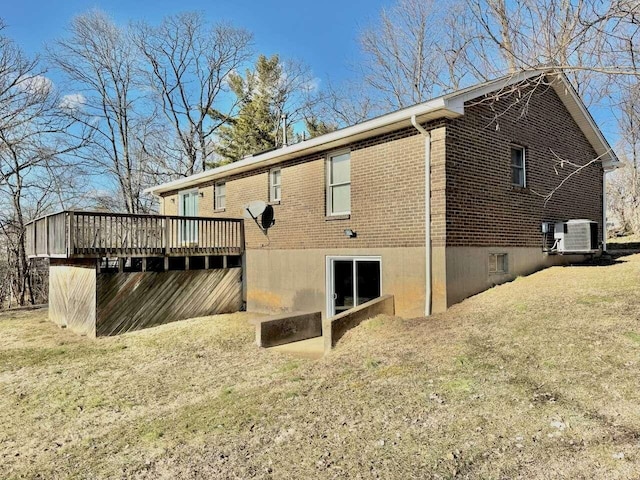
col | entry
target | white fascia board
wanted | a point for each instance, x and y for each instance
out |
(459, 98)
(437, 108)
(569, 97)
(447, 106)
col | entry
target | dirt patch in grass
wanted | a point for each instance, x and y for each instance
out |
(534, 379)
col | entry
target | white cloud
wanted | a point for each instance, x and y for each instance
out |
(38, 84)
(73, 101)
(313, 84)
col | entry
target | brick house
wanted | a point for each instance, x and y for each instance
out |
(431, 203)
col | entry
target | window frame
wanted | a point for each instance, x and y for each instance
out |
(523, 149)
(273, 186)
(329, 186)
(330, 277)
(493, 259)
(216, 197)
(184, 193)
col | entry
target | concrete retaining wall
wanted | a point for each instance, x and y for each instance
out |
(280, 281)
(467, 268)
(287, 328)
(335, 327)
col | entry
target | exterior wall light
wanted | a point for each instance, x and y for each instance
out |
(350, 233)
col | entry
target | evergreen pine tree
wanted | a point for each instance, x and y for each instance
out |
(257, 127)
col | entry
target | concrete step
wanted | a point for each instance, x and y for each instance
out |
(312, 348)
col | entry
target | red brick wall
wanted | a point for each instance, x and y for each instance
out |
(473, 185)
(483, 208)
(387, 198)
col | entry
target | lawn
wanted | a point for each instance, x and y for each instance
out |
(538, 378)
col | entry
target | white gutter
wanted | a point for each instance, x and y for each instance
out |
(436, 108)
(427, 213)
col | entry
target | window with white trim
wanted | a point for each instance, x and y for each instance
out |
(339, 184)
(498, 263)
(220, 196)
(518, 173)
(275, 189)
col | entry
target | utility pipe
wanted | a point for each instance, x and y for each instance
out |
(427, 211)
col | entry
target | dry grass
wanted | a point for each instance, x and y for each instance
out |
(534, 379)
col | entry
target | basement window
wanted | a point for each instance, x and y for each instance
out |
(518, 174)
(498, 263)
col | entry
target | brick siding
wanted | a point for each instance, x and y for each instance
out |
(483, 208)
(387, 198)
(473, 201)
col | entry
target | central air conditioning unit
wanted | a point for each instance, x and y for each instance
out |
(576, 237)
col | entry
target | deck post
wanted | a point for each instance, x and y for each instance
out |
(71, 240)
(206, 262)
(144, 264)
(121, 261)
(166, 264)
(186, 263)
(225, 261)
(46, 235)
(241, 237)
(35, 238)
(167, 237)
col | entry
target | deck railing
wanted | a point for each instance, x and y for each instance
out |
(71, 234)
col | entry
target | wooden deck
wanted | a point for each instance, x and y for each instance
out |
(71, 234)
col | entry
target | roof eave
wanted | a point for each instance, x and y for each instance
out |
(585, 121)
(447, 106)
(438, 108)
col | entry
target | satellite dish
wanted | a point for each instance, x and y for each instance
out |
(254, 209)
(259, 209)
(267, 219)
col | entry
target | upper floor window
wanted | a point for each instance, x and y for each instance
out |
(518, 174)
(220, 196)
(339, 184)
(274, 185)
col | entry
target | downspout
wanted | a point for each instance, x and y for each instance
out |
(427, 211)
(604, 211)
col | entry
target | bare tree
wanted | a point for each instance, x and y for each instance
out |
(406, 55)
(343, 105)
(418, 49)
(36, 140)
(187, 65)
(624, 185)
(102, 64)
(589, 40)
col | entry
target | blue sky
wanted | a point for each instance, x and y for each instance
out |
(323, 34)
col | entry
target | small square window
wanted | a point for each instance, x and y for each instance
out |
(498, 263)
(220, 196)
(518, 174)
(275, 187)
